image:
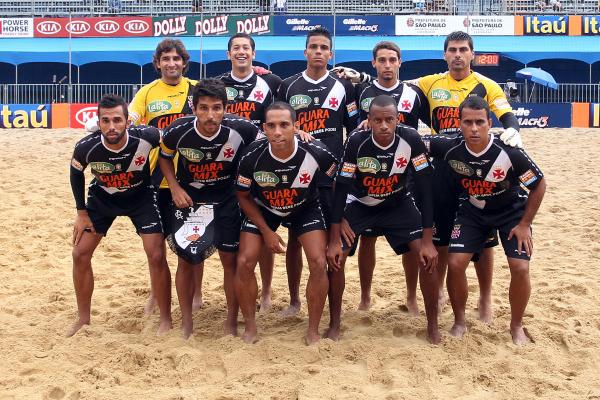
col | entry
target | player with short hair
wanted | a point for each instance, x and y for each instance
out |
(490, 176)
(276, 185)
(118, 158)
(371, 192)
(208, 153)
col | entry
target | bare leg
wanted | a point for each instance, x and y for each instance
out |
(519, 292)
(266, 263)
(197, 303)
(83, 279)
(366, 266)
(246, 288)
(228, 260)
(151, 302)
(154, 246)
(442, 267)
(337, 284)
(184, 282)
(314, 244)
(458, 290)
(410, 263)
(485, 270)
(293, 266)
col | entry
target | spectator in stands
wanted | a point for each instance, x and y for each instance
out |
(419, 6)
(512, 92)
(197, 6)
(280, 6)
(540, 5)
(264, 6)
(555, 4)
(114, 6)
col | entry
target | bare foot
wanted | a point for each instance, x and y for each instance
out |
(365, 304)
(186, 329)
(291, 310)
(265, 304)
(230, 328)
(250, 337)
(76, 327)
(197, 303)
(150, 305)
(442, 300)
(164, 327)
(458, 330)
(411, 307)
(333, 333)
(485, 311)
(311, 338)
(433, 334)
(520, 336)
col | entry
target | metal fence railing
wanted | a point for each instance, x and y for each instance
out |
(46, 8)
(91, 93)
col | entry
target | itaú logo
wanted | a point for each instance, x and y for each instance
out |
(86, 114)
(106, 27)
(77, 27)
(136, 26)
(48, 27)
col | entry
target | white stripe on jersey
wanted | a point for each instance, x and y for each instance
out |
(262, 87)
(336, 97)
(500, 168)
(401, 157)
(406, 102)
(233, 143)
(309, 166)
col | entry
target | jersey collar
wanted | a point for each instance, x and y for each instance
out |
(484, 150)
(209, 138)
(377, 84)
(380, 146)
(321, 79)
(244, 79)
(119, 150)
(290, 157)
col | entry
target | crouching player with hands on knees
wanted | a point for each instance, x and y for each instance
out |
(372, 178)
(490, 175)
(276, 184)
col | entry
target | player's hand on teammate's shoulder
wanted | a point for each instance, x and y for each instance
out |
(364, 125)
(524, 239)
(82, 224)
(274, 242)
(428, 255)
(180, 198)
(351, 74)
(511, 137)
(258, 70)
(304, 136)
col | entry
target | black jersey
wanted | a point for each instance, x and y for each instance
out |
(284, 186)
(412, 103)
(250, 97)
(491, 179)
(117, 172)
(323, 107)
(207, 164)
(378, 174)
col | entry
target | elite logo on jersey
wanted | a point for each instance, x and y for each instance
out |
(365, 104)
(102, 167)
(192, 155)
(368, 164)
(300, 101)
(232, 93)
(460, 167)
(158, 106)
(440, 95)
(264, 178)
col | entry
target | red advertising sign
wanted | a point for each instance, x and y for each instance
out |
(93, 27)
(81, 112)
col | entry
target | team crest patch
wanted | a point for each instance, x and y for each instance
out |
(460, 167)
(243, 181)
(528, 177)
(420, 162)
(76, 164)
(455, 232)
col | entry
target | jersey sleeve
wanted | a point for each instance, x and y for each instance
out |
(358, 91)
(168, 145)
(497, 99)
(424, 111)
(243, 181)
(424, 83)
(348, 164)
(77, 178)
(418, 154)
(282, 92)
(137, 107)
(151, 135)
(328, 163)
(274, 83)
(528, 172)
(438, 145)
(351, 114)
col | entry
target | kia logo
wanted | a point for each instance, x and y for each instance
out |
(77, 27)
(48, 27)
(106, 27)
(85, 114)
(136, 26)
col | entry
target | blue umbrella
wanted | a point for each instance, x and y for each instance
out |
(538, 75)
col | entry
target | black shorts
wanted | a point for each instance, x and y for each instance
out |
(228, 219)
(309, 218)
(165, 201)
(142, 209)
(399, 223)
(472, 229)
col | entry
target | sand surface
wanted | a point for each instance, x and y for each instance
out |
(382, 354)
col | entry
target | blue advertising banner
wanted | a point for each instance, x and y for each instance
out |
(364, 25)
(547, 115)
(545, 25)
(25, 116)
(300, 24)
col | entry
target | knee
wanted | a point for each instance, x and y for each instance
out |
(456, 265)
(244, 266)
(81, 257)
(156, 258)
(317, 264)
(519, 269)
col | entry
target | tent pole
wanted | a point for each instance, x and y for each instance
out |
(17, 83)
(202, 72)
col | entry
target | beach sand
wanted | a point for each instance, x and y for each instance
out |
(382, 354)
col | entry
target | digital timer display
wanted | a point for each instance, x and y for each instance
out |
(485, 60)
